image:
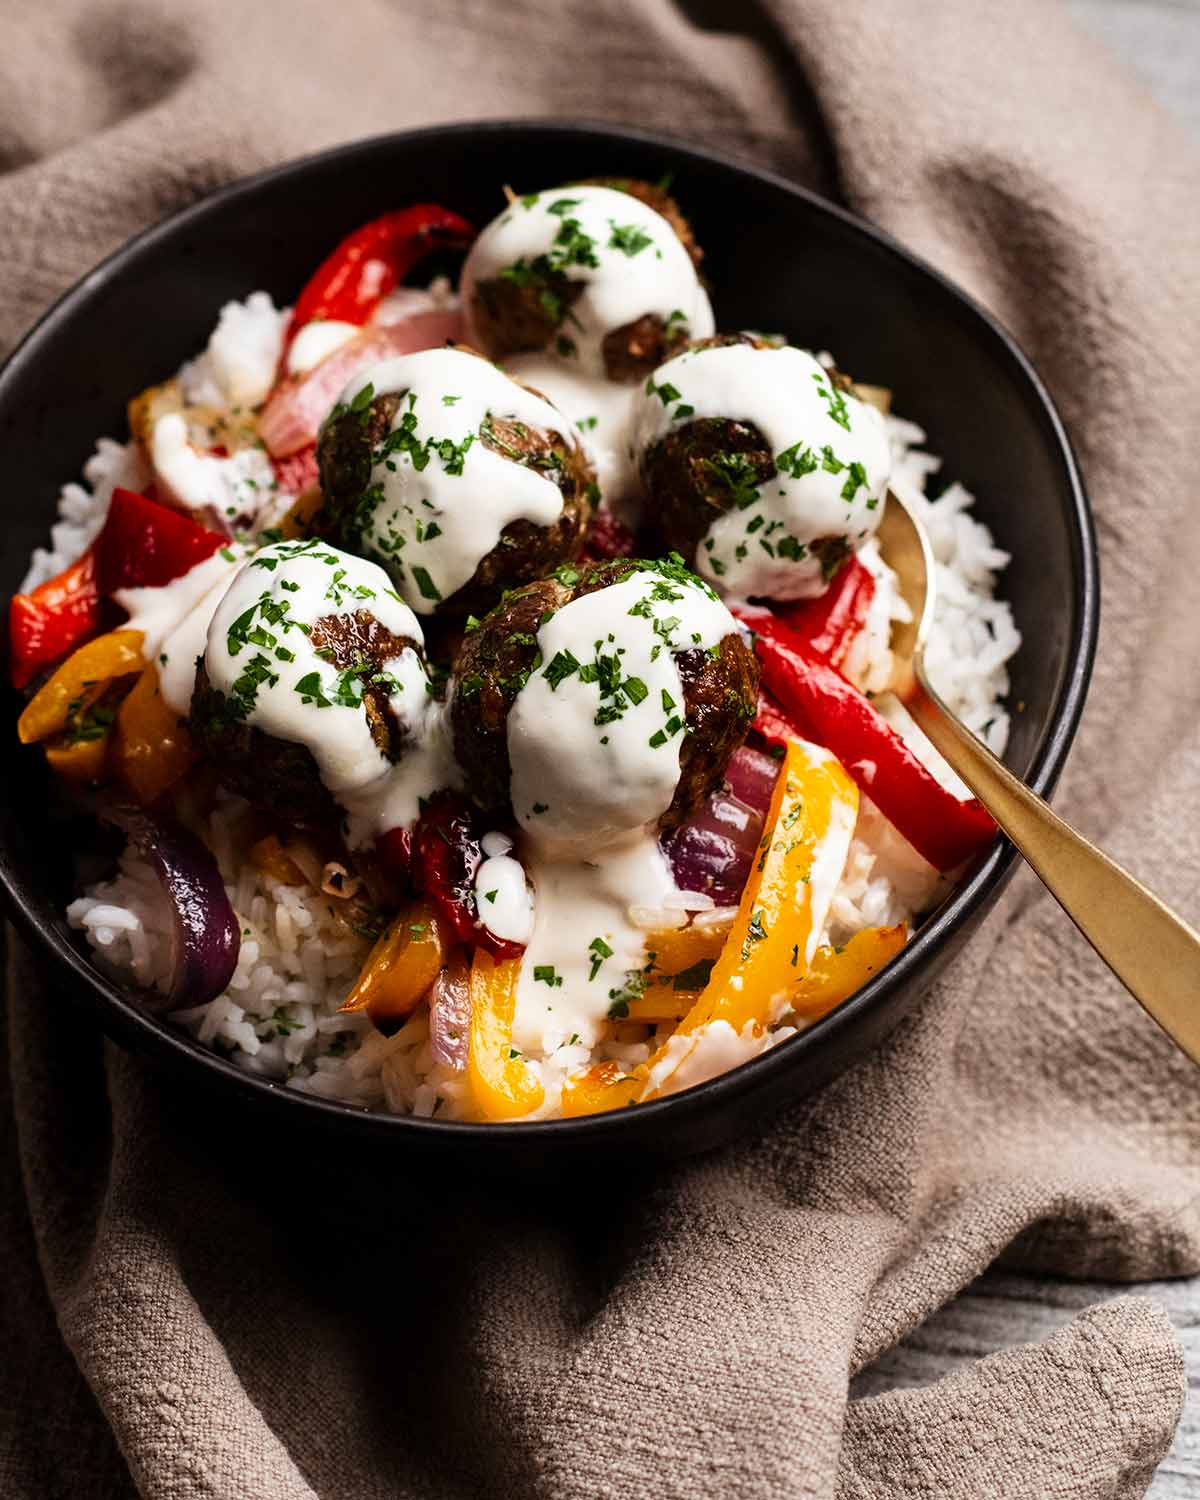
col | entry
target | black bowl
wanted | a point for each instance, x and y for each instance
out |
(778, 258)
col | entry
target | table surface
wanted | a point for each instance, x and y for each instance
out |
(1161, 40)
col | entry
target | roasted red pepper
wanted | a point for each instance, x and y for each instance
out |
(44, 624)
(828, 625)
(607, 537)
(446, 855)
(354, 279)
(143, 544)
(829, 710)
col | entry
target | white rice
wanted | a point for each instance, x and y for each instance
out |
(297, 962)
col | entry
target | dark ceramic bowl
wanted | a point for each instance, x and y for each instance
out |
(778, 258)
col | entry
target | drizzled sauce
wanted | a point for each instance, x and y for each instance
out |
(831, 455)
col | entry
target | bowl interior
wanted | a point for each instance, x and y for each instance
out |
(777, 259)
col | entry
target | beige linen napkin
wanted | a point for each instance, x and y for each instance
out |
(196, 1310)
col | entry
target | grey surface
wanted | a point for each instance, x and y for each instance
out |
(1161, 40)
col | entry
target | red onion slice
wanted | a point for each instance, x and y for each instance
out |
(713, 851)
(450, 1014)
(294, 413)
(205, 939)
(751, 776)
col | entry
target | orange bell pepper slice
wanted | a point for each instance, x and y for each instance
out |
(82, 762)
(501, 1085)
(807, 832)
(598, 1089)
(152, 748)
(400, 967)
(672, 950)
(836, 973)
(80, 680)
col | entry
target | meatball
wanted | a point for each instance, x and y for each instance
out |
(457, 479)
(282, 776)
(719, 680)
(760, 467)
(600, 274)
(312, 684)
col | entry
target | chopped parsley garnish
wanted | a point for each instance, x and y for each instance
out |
(755, 933)
(546, 975)
(628, 238)
(429, 589)
(599, 951)
(834, 400)
(694, 978)
(633, 989)
(562, 665)
(737, 474)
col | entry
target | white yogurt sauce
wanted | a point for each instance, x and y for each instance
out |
(588, 794)
(238, 485)
(317, 339)
(585, 951)
(174, 620)
(628, 258)
(602, 411)
(260, 655)
(594, 735)
(442, 497)
(832, 458)
(502, 897)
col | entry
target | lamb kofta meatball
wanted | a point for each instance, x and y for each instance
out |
(312, 691)
(458, 480)
(603, 277)
(760, 466)
(597, 703)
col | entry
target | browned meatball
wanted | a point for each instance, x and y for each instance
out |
(720, 690)
(346, 454)
(520, 314)
(280, 776)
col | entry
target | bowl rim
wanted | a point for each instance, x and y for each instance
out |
(121, 1014)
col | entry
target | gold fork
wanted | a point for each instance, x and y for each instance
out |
(1153, 952)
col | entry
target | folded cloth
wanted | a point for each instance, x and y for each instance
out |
(201, 1305)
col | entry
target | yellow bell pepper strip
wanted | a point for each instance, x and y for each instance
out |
(80, 680)
(81, 762)
(672, 950)
(152, 748)
(400, 967)
(501, 1086)
(662, 1002)
(598, 1089)
(836, 973)
(806, 837)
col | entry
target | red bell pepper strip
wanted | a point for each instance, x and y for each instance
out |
(142, 545)
(943, 828)
(827, 626)
(773, 724)
(45, 623)
(446, 855)
(353, 280)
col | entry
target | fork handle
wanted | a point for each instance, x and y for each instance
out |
(1153, 952)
